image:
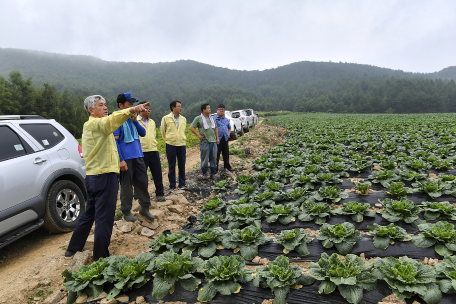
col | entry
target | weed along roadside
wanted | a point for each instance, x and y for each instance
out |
(32, 266)
(325, 208)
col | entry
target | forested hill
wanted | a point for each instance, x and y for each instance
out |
(300, 86)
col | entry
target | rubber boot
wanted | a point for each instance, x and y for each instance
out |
(129, 217)
(213, 173)
(145, 212)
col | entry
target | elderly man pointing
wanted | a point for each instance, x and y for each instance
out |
(102, 165)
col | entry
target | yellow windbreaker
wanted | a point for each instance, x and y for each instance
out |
(171, 134)
(98, 144)
(148, 142)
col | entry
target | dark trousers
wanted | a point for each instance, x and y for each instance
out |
(101, 207)
(152, 161)
(136, 176)
(171, 153)
(224, 148)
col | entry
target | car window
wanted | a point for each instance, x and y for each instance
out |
(248, 112)
(11, 146)
(46, 134)
(235, 114)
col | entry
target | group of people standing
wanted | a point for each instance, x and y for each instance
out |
(121, 146)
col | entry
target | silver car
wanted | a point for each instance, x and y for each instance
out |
(251, 113)
(42, 173)
(236, 125)
(246, 120)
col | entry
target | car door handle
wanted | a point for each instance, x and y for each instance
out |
(39, 161)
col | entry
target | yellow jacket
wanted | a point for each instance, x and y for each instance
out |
(98, 144)
(171, 134)
(148, 142)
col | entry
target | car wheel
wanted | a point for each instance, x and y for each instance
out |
(248, 128)
(242, 131)
(65, 204)
(235, 134)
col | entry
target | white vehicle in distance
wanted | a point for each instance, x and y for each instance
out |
(246, 120)
(236, 125)
(42, 177)
(251, 113)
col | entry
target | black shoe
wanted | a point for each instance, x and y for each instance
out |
(171, 190)
(182, 188)
(161, 198)
(230, 169)
(146, 213)
(69, 254)
(129, 217)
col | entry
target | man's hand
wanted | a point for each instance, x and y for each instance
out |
(201, 137)
(123, 166)
(134, 116)
(218, 141)
(139, 108)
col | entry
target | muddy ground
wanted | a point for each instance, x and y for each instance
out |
(30, 268)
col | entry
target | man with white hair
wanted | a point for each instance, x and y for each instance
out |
(102, 165)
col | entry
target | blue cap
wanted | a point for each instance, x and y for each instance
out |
(121, 98)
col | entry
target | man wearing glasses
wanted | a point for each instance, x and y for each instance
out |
(224, 130)
(173, 132)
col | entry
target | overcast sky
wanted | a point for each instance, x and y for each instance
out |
(411, 35)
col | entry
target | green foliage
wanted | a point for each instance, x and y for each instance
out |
(440, 234)
(356, 210)
(397, 189)
(205, 242)
(296, 240)
(208, 220)
(170, 268)
(383, 236)
(247, 240)
(172, 242)
(223, 185)
(406, 277)
(214, 205)
(246, 190)
(447, 272)
(298, 195)
(343, 236)
(238, 152)
(245, 179)
(434, 188)
(285, 214)
(403, 209)
(223, 275)
(435, 210)
(267, 198)
(248, 214)
(349, 276)
(332, 193)
(280, 276)
(313, 211)
(363, 188)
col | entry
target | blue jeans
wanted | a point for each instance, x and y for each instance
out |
(208, 155)
(101, 207)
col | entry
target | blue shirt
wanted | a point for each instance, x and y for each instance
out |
(133, 149)
(223, 124)
(176, 119)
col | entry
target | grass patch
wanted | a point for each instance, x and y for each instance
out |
(269, 122)
(119, 214)
(238, 152)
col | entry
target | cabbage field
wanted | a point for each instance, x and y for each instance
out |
(348, 209)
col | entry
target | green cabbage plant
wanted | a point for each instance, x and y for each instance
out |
(205, 242)
(262, 177)
(241, 200)
(223, 185)
(297, 195)
(303, 180)
(223, 275)
(172, 242)
(272, 185)
(285, 213)
(296, 240)
(412, 176)
(404, 210)
(339, 168)
(208, 220)
(434, 188)
(246, 190)
(383, 236)
(245, 179)
(87, 279)
(317, 212)
(397, 189)
(247, 240)
(356, 210)
(440, 234)
(349, 276)
(326, 178)
(363, 188)
(343, 236)
(406, 277)
(267, 198)
(384, 177)
(171, 268)
(332, 193)
(446, 271)
(248, 214)
(126, 273)
(214, 205)
(280, 276)
(434, 210)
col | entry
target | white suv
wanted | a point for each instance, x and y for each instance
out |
(42, 177)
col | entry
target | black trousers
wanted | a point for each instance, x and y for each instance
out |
(101, 207)
(224, 148)
(152, 161)
(136, 176)
(171, 153)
